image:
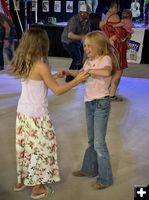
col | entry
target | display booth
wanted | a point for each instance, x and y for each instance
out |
(51, 15)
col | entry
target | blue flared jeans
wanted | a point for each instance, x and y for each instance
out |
(96, 160)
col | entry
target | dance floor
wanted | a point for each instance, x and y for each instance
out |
(127, 138)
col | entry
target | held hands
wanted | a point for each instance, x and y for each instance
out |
(82, 76)
(62, 73)
(65, 72)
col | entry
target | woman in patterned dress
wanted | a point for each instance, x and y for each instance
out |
(118, 37)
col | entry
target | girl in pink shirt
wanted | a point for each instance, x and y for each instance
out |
(101, 63)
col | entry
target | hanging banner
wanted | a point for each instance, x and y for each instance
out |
(135, 45)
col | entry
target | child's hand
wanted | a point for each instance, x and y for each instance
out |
(60, 74)
(82, 76)
(109, 14)
(65, 72)
(113, 37)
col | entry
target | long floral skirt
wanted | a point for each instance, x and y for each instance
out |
(36, 150)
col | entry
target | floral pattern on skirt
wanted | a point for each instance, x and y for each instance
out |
(36, 150)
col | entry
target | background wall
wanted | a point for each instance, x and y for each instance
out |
(63, 16)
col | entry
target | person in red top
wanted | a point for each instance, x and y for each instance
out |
(117, 36)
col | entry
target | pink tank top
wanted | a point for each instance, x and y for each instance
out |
(34, 98)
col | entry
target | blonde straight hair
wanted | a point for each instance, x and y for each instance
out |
(104, 47)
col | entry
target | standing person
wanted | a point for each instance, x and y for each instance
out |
(2, 35)
(72, 36)
(10, 34)
(101, 64)
(117, 36)
(36, 148)
(92, 4)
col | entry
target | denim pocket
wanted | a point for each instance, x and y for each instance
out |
(104, 105)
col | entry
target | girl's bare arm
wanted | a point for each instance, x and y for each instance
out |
(55, 87)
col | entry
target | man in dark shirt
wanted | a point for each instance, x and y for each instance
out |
(73, 34)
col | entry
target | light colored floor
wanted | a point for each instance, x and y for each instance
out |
(127, 138)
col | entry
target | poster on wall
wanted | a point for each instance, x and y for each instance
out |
(135, 45)
(45, 6)
(34, 5)
(57, 6)
(79, 4)
(69, 6)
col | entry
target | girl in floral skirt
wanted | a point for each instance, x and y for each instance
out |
(36, 147)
